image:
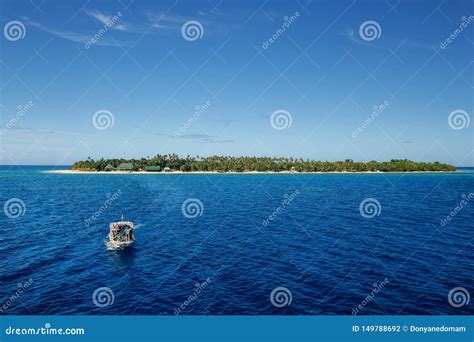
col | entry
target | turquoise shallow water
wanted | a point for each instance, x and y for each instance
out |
(252, 234)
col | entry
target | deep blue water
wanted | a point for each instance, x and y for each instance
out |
(318, 245)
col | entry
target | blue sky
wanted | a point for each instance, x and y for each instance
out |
(321, 72)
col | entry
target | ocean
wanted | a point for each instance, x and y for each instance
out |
(293, 244)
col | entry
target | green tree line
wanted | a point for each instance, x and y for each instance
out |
(241, 164)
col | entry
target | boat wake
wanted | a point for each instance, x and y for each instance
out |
(113, 246)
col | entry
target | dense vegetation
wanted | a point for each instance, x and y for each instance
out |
(241, 164)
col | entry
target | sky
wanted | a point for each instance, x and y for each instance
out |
(323, 80)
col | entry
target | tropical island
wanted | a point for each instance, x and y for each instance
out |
(222, 164)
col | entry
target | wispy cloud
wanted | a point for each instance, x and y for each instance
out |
(167, 21)
(187, 136)
(196, 136)
(203, 138)
(421, 45)
(225, 122)
(33, 130)
(72, 36)
(218, 141)
(152, 22)
(108, 20)
(149, 23)
(350, 34)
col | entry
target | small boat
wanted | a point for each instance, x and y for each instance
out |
(121, 234)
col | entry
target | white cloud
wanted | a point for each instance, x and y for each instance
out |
(108, 20)
(73, 36)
